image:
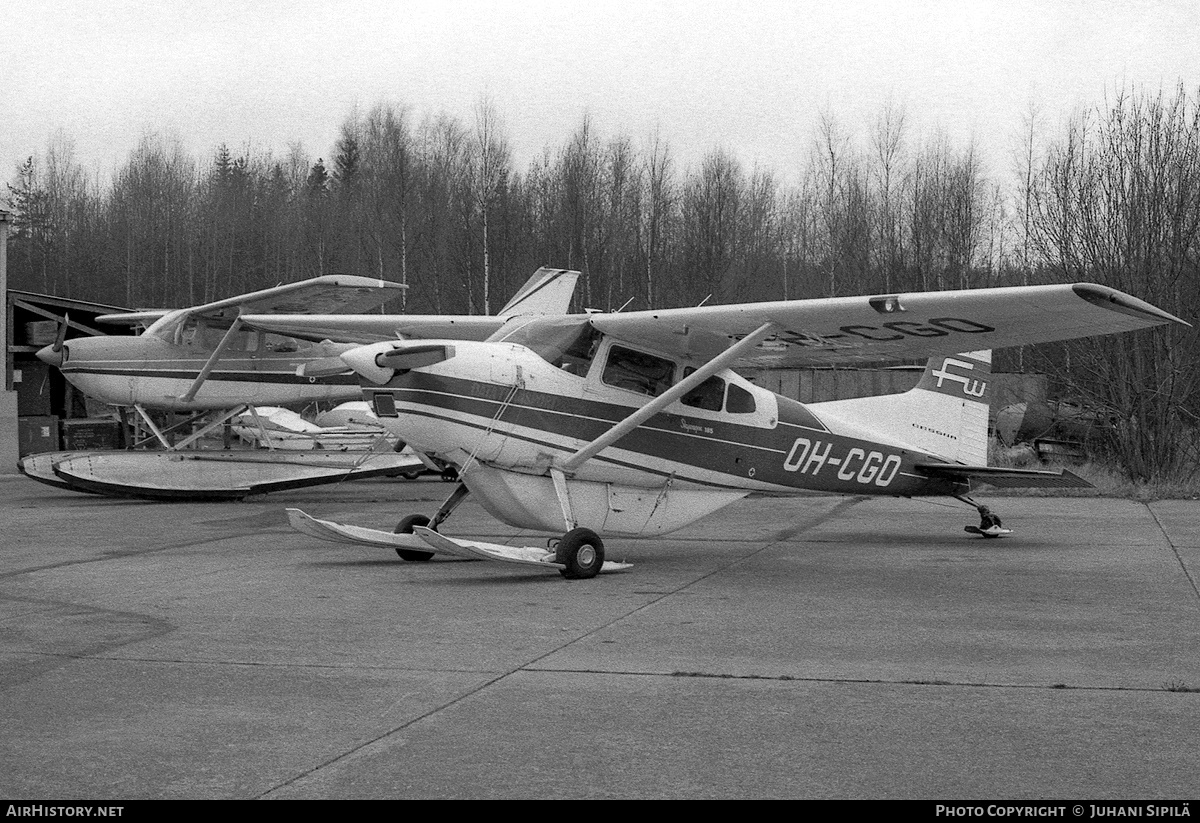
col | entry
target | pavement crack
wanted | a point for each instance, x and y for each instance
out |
(1175, 551)
(935, 682)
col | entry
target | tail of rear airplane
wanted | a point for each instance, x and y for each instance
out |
(548, 291)
(946, 414)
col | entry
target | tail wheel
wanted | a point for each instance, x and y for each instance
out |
(405, 526)
(582, 552)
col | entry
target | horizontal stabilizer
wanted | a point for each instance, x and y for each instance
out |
(1006, 478)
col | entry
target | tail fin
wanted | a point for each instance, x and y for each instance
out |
(946, 414)
(548, 291)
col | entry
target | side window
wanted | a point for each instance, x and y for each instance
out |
(280, 343)
(709, 395)
(739, 401)
(635, 371)
(186, 333)
(196, 332)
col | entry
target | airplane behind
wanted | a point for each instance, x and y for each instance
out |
(213, 357)
(635, 424)
(205, 357)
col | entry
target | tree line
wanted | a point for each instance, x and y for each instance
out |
(439, 204)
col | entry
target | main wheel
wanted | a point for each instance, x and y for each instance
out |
(405, 526)
(582, 552)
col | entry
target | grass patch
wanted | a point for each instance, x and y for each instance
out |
(1106, 480)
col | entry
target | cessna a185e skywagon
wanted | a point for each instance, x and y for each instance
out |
(634, 424)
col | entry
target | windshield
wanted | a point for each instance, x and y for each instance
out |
(569, 343)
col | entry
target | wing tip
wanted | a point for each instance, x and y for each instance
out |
(1114, 300)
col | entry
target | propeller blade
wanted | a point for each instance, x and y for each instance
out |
(322, 367)
(62, 333)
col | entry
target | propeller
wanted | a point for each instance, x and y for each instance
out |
(62, 333)
(52, 354)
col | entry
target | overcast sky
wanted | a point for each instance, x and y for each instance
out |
(751, 77)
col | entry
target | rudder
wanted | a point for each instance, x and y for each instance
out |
(945, 414)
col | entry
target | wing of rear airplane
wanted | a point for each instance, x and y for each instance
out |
(143, 317)
(887, 327)
(547, 292)
(330, 294)
(372, 328)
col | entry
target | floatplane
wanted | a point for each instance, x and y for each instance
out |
(635, 424)
(212, 362)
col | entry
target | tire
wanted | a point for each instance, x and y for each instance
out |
(405, 526)
(582, 552)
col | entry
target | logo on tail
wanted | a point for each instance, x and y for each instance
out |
(970, 387)
(964, 376)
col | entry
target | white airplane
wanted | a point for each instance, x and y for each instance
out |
(210, 358)
(634, 424)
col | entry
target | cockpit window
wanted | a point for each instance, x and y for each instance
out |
(281, 344)
(568, 343)
(739, 400)
(196, 332)
(709, 395)
(637, 371)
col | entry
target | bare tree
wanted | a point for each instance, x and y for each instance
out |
(1118, 202)
(887, 141)
(491, 167)
(658, 205)
(711, 206)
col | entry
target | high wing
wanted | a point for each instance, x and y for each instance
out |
(547, 292)
(372, 328)
(142, 317)
(887, 327)
(328, 294)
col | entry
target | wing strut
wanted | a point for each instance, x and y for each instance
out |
(668, 397)
(234, 327)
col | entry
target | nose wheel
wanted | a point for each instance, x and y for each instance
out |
(405, 526)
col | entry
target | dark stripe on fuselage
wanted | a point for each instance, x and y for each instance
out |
(737, 450)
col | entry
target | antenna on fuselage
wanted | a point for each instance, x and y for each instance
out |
(624, 306)
(705, 300)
